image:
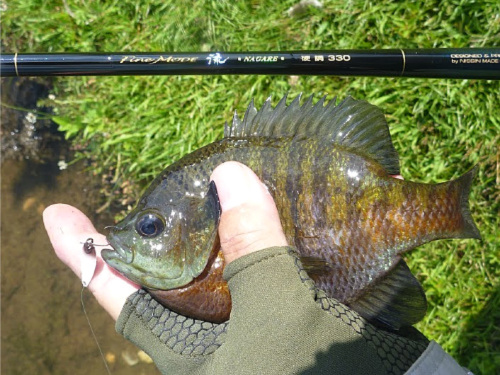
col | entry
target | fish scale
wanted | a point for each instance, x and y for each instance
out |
(329, 169)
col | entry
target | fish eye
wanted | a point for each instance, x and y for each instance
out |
(150, 225)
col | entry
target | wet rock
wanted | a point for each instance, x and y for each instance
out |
(130, 357)
(26, 129)
(144, 357)
(110, 358)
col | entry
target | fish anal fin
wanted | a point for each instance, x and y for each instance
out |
(394, 301)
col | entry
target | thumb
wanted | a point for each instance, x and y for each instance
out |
(249, 220)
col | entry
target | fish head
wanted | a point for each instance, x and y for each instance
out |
(165, 246)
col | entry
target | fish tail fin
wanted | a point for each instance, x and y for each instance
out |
(466, 228)
(436, 211)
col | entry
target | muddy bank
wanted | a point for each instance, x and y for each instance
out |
(44, 330)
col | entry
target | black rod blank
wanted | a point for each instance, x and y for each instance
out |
(461, 63)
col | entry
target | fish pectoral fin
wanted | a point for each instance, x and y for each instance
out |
(316, 266)
(394, 301)
(199, 232)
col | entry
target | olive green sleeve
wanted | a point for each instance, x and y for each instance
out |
(280, 324)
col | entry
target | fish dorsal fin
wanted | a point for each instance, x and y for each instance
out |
(395, 301)
(352, 123)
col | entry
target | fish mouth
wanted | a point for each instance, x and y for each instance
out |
(121, 259)
(120, 252)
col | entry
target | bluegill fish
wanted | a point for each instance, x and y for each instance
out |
(329, 169)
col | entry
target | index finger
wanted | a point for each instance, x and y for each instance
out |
(68, 228)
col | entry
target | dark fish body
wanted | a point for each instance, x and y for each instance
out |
(329, 171)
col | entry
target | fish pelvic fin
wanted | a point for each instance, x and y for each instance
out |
(315, 265)
(394, 301)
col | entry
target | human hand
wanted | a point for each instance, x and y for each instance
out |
(276, 309)
(68, 228)
(243, 196)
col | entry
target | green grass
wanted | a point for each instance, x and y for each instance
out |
(132, 127)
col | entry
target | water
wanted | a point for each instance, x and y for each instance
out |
(44, 330)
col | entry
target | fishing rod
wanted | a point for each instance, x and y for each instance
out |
(462, 63)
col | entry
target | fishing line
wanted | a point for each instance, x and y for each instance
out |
(88, 266)
(93, 333)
